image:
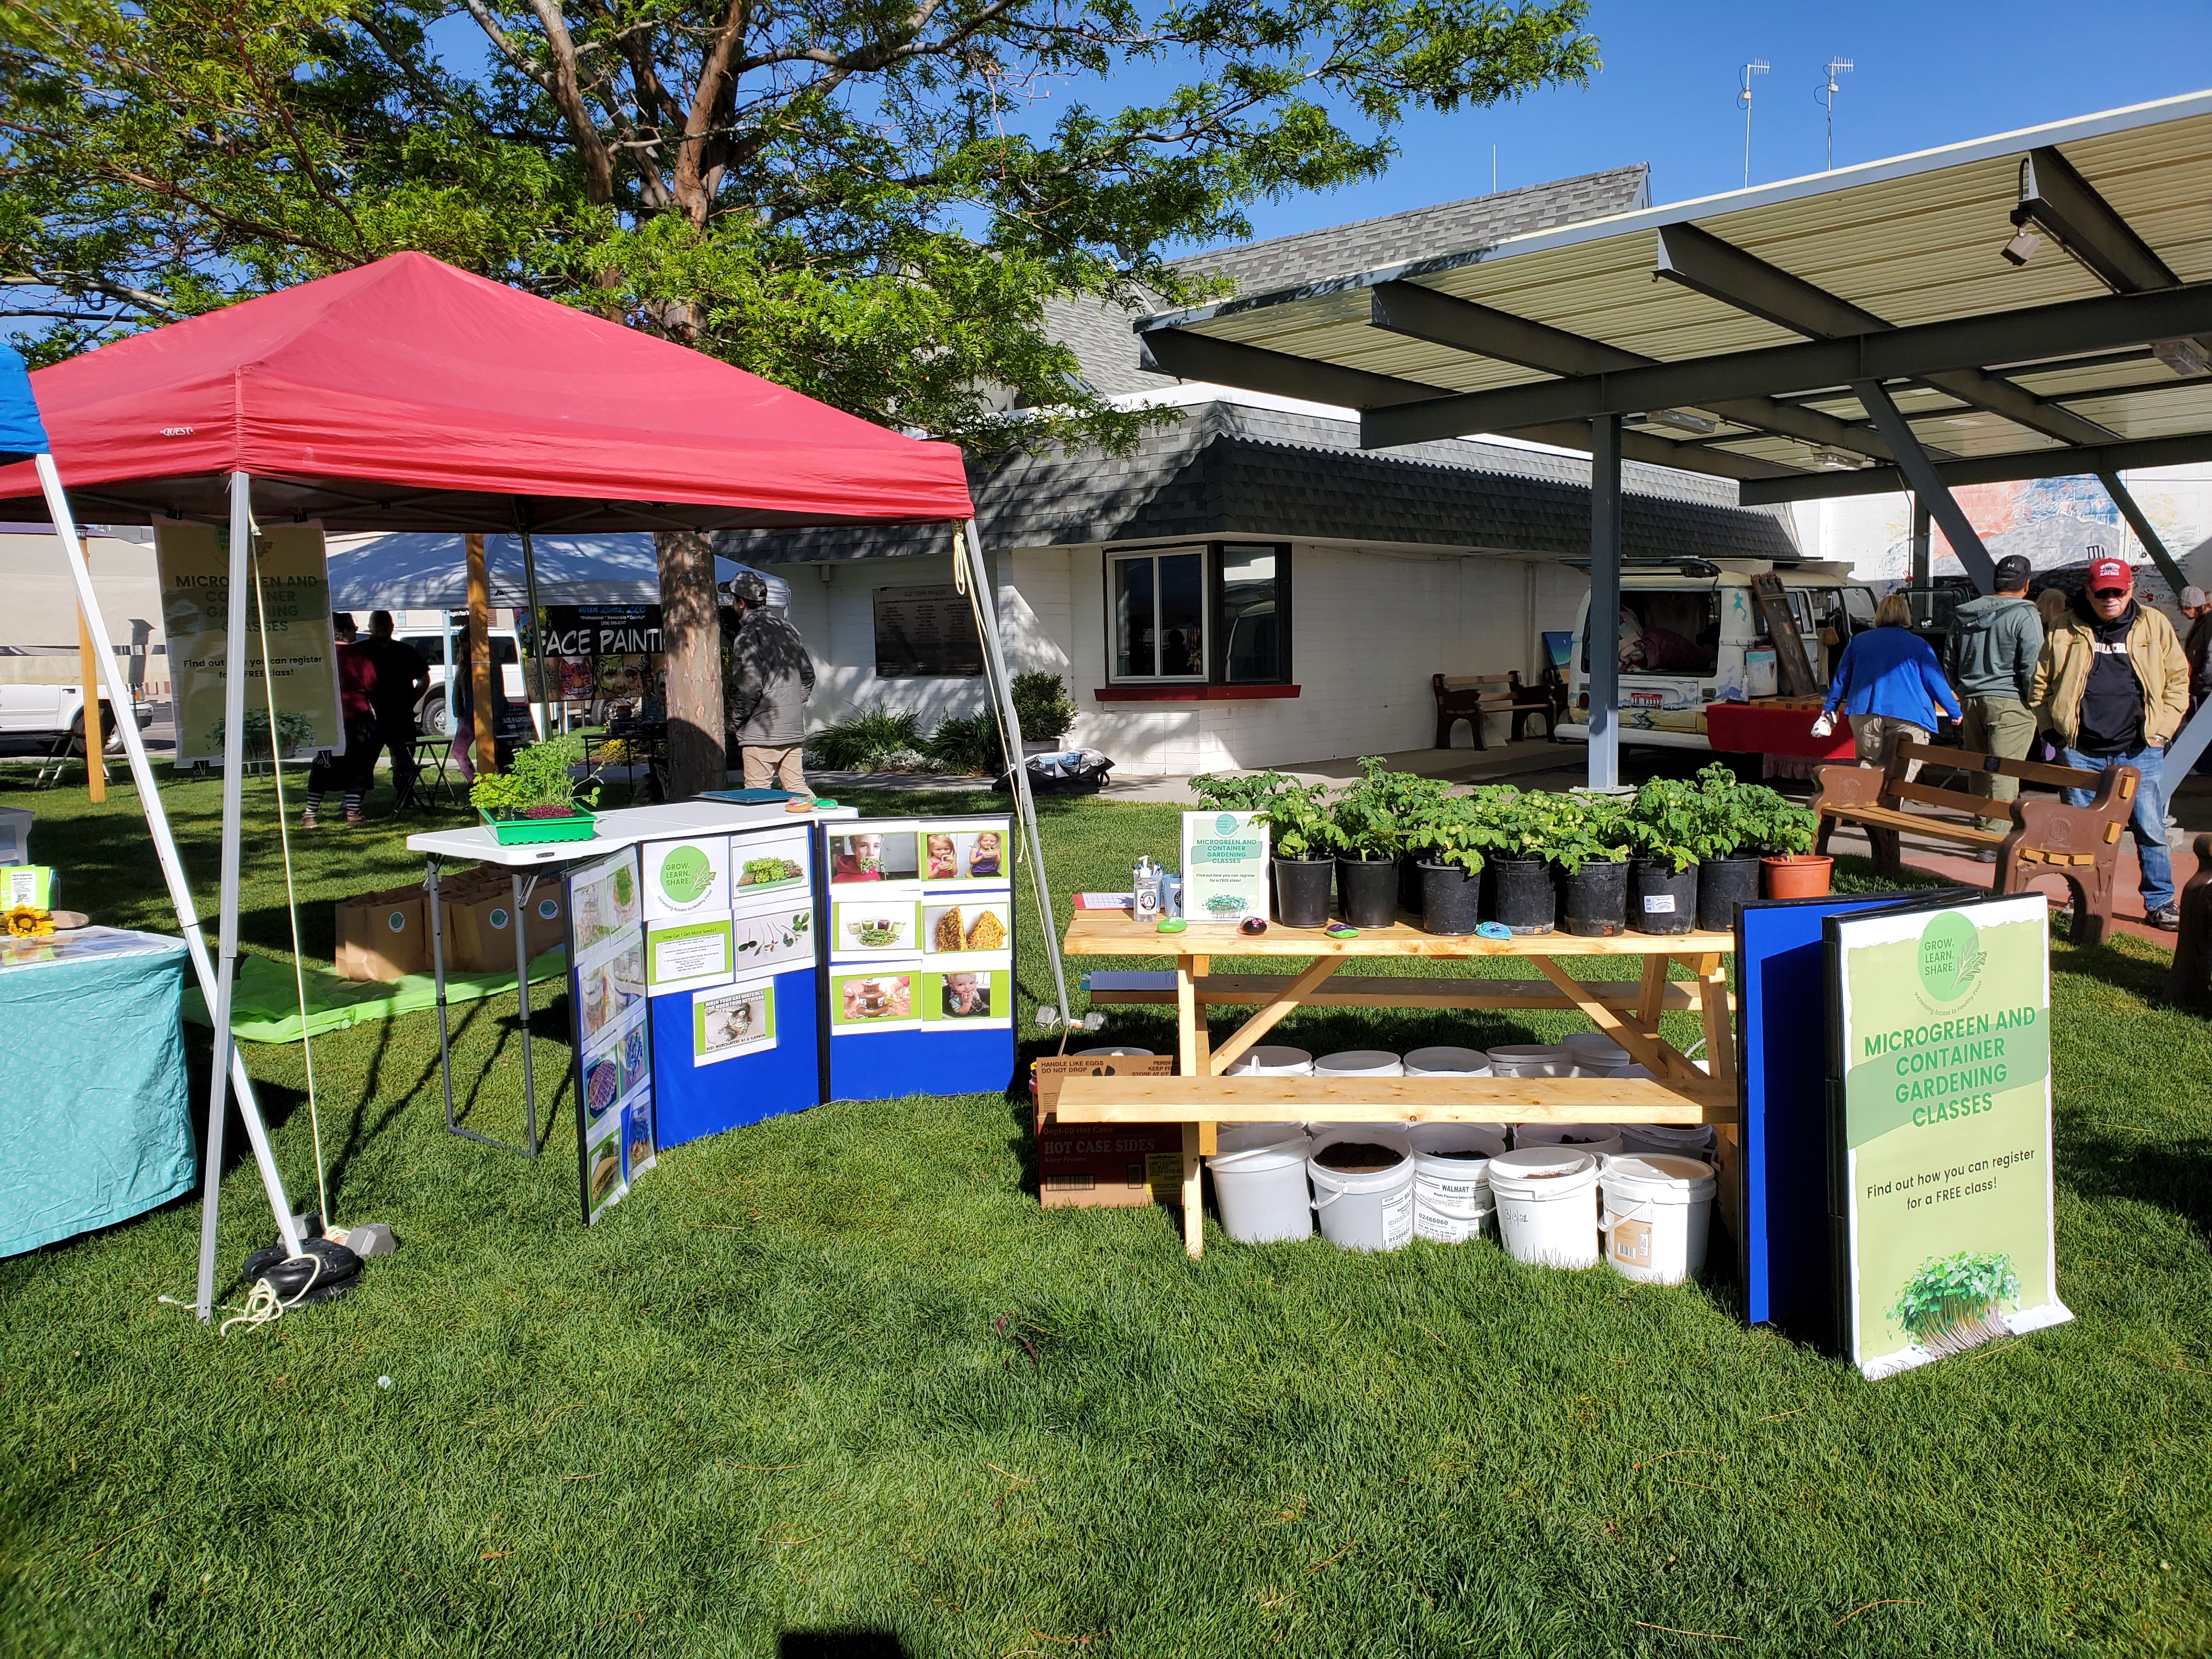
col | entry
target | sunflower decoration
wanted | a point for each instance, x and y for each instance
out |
(28, 921)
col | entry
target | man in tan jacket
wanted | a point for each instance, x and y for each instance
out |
(2111, 687)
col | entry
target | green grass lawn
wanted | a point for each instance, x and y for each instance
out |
(836, 1385)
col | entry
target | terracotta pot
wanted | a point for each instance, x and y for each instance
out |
(1795, 876)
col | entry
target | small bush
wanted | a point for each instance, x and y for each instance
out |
(968, 743)
(1042, 705)
(864, 743)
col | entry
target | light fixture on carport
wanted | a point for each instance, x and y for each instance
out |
(1680, 420)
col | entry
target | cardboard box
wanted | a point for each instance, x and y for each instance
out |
(384, 936)
(545, 915)
(479, 918)
(1104, 1166)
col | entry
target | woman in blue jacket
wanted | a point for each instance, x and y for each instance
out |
(1891, 686)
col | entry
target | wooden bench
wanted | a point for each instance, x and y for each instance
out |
(1470, 696)
(2189, 982)
(1155, 987)
(2080, 844)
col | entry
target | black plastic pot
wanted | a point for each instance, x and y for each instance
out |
(1523, 897)
(1723, 885)
(1451, 899)
(1409, 883)
(1302, 891)
(1661, 899)
(1367, 891)
(1594, 900)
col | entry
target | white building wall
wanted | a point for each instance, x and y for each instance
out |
(1369, 627)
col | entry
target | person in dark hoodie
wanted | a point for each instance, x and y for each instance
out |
(2111, 686)
(1994, 642)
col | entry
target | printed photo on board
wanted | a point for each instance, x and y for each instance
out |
(960, 929)
(864, 999)
(727, 1022)
(967, 996)
(872, 925)
(872, 855)
(611, 989)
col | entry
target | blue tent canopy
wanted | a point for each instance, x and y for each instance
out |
(22, 432)
(421, 572)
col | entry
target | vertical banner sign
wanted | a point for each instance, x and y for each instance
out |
(194, 564)
(615, 1132)
(1939, 1127)
(1225, 866)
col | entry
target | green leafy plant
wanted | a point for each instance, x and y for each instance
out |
(537, 783)
(1578, 829)
(1672, 822)
(1298, 822)
(966, 743)
(865, 743)
(295, 732)
(1377, 814)
(1952, 1302)
(1751, 817)
(1455, 831)
(1043, 707)
(1230, 792)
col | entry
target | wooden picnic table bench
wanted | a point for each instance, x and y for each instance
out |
(1470, 696)
(1201, 1096)
(2080, 844)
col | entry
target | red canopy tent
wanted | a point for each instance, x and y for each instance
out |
(408, 395)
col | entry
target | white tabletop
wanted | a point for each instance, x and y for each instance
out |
(623, 827)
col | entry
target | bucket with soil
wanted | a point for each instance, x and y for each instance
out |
(1675, 1139)
(1363, 1186)
(1525, 900)
(1656, 1213)
(1725, 886)
(1447, 1063)
(1451, 1179)
(1594, 900)
(1451, 900)
(1598, 1140)
(1302, 891)
(1260, 1182)
(1796, 875)
(1270, 1059)
(1547, 1215)
(1367, 891)
(1531, 1059)
(1660, 898)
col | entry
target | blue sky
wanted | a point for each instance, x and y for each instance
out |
(1930, 73)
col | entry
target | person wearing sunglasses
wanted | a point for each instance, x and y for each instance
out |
(2112, 687)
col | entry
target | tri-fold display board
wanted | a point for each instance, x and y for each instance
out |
(721, 979)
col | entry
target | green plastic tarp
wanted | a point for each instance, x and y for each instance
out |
(265, 1000)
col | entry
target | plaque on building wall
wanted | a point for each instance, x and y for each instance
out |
(926, 631)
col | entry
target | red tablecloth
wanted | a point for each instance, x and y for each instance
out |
(1743, 728)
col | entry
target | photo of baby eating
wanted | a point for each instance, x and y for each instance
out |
(967, 996)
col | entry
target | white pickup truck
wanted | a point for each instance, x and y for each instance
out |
(45, 712)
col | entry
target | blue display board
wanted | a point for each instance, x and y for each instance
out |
(735, 1055)
(918, 991)
(1784, 1253)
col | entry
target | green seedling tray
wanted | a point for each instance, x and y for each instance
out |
(524, 832)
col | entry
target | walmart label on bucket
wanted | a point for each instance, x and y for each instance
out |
(1225, 866)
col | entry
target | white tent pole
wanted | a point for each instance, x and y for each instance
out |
(173, 868)
(994, 659)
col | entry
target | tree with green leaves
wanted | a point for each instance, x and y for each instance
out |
(860, 199)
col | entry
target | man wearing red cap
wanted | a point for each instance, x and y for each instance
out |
(2113, 687)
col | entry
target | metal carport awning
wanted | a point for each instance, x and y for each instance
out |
(2033, 305)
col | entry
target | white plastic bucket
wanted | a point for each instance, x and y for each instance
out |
(1267, 1062)
(1545, 1215)
(1360, 1062)
(1085, 1054)
(1365, 1211)
(1657, 1211)
(1675, 1139)
(1598, 1140)
(1596, 1054)
(1452, 1195)
(1447, 1063)
(1531, 1059)
(1260, 1182)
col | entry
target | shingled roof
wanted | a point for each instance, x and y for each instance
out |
(1231, 469)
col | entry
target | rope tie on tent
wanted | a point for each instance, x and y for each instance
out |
(292, 910)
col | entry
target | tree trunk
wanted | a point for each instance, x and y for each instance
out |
(484, 719)
(691, 635)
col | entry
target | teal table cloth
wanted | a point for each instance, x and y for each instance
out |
(95, 1104)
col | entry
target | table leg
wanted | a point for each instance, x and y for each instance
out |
(1646, 1051)
(1194, 1061)
(1651, 997)
(1720, 1025)
(437, 983)
(522, 885)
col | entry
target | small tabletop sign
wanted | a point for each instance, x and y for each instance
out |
(1940, 1125)
(1225, 866)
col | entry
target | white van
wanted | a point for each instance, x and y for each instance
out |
(506, 651)
(1691, 632)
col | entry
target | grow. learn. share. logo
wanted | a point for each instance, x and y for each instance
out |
(686, 875)
(1226, 824)
(1951, 956)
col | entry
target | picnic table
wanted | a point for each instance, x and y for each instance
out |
(1201, 1097)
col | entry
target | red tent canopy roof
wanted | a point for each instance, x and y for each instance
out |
(409, 395)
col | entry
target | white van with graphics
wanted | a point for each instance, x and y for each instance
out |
(1692, 632)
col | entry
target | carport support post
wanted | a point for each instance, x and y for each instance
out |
(2175, 576)
(95, 743)
(1002, 689)
(1929, 490)
(180, 895)
(1603, 632)
(1924, 562)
